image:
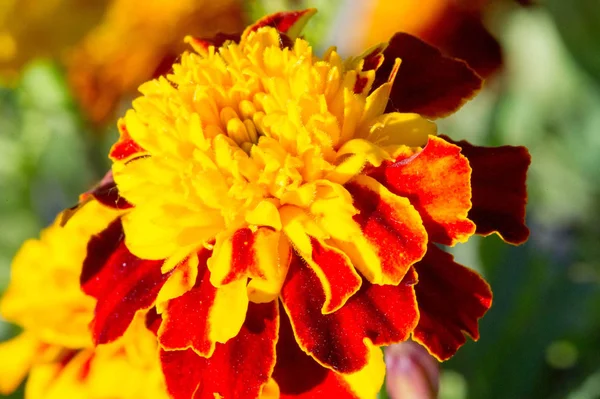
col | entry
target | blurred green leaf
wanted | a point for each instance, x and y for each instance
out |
(578, 22)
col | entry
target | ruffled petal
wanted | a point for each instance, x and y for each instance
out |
(499, 190)
(427, 83)
(342, 341)
(204, 315)
(393, 237)
(121, 282)
(437, 181)
(318, 382)
(451, 300)
(238, 369)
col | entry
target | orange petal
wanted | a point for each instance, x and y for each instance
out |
(238, 369)
(428, 83)
(317, 381)
(342, 341)
(393, 234)
(437, 181)
(451, 300)
(499, 190)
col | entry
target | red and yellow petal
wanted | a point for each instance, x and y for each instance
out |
(125, 148)
(204, 315)
(238, 369)
(437, 181)
(427, 83)
(393, 237)
(336, 274)
(451, 300)
(499, 190)
(342, 341)
(261, 255)
(122, 283)
(318, 382)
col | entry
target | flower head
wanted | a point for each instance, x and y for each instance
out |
(55, 348)
(280, 211)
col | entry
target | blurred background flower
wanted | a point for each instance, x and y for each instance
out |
(541, 339)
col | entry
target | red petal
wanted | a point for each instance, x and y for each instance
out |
(459, 32)
(185, 320)
(394, 230)
(237, 369)
(290, 22)
(451, 300)
(499, 190)
(107, 193)
(122, 283)
(437, 181)
(243, 256)
(125, 147)
(427, 83)
(316, 382)
(338, 277)
(153, 320)
(384, 314)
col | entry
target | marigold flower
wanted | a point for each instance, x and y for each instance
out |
(280, 214)
(55, 348)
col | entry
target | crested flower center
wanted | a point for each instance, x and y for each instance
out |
(254, 135)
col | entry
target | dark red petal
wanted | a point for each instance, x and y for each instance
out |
(237, 369)
(316, 382)
(125, 148)
(217, 41)
(427, 82)
(499, 190)
(185, 320)
(471, 41)
(153, 320)
(451, 300)
(437, 181)
(107, 193)
(121, 282)
(384, 314)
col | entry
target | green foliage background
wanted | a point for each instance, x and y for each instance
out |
(541, 339)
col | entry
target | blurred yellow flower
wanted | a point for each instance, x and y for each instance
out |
(138, 40)
(55, 347)
(36, 29)
(109, 47)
